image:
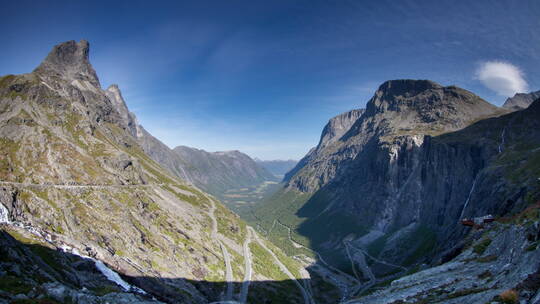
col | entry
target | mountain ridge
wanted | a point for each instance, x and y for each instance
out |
(387, 114)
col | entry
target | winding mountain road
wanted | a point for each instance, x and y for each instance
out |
(305, 294)
(225, 253)
(247, 268)
(343, 286)
(375, 259)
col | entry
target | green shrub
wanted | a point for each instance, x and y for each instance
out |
(481, 247)
(14, 285)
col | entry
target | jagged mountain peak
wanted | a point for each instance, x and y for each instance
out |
(424, 105)
(128, 119)
(337, 126)
(70, 60)
(393, 94)
(113, 88)
(521, 101)
(115, 95)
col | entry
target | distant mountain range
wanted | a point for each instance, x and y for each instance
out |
(277, 167)
(214, 172)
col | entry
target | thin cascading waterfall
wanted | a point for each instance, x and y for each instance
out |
(112, 275)
(468, 199)
(502, 140)
(4, 214)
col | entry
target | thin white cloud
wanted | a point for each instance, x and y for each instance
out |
(503, 78)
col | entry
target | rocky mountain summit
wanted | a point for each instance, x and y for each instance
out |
(87, 216)
(521, 101)
(69, 61)
(404, 110)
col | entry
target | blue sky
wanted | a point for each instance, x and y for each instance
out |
(264, 77)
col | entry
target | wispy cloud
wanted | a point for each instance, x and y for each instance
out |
(503, 78)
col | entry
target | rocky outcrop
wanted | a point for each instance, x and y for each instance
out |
(501, 259)
(69, 61)
(332, 132)
(30, 272)
(127, 118)
(337, 127)
(521, 101)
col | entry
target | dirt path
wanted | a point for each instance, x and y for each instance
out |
(68, 186)
(247, 268)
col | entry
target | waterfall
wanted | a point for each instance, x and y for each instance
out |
(110, 274)
(502, 140)
(468, 199)
(4, 214)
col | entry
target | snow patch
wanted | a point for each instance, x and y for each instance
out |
(110, 274)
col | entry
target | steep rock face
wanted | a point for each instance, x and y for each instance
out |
(128, 119)
(397, 183)
(521, 101)
(337, 127)
(69, 61)
(75, 179)
(401, 110)
(332, 132)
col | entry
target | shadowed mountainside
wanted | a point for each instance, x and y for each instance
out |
(395, 186)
